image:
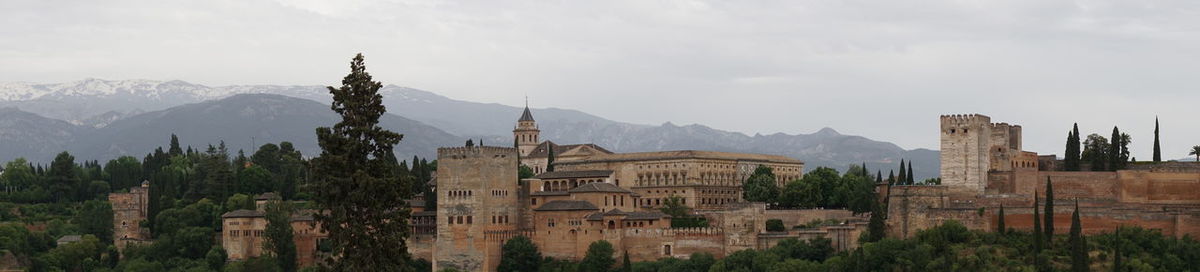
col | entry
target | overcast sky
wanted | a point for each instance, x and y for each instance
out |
(881, 69)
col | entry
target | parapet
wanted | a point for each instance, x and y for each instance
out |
(965, 119)
(476, 151)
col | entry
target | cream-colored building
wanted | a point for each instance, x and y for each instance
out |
(705, 179)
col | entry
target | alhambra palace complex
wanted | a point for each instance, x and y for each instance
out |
(595, 194)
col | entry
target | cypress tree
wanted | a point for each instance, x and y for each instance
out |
(901, 179)
(1071, 161)
(1114, 151)
(891, 177)
(1038, 240)
(550, 158)
(878, 176)
(175, 150)
(876, 228)
(1116, 267)
(1049, 232)
(1000, 228)
(865, 173)
(1157, 150)
(911, 179)
(360, 198)
(1079, 254)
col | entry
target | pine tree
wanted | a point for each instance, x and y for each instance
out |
(470, 143)
(360, 198)
(1000, 228)
(1049, 232)
(1079, 252)
(911, 178)
(1038, 239)
(900, 180)
(1157, 150)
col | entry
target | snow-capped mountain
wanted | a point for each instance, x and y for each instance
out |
(111, 117)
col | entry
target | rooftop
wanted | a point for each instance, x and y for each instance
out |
(567, 205)
(599, 187)
(575, 174)
(683, 154)
(243, 214)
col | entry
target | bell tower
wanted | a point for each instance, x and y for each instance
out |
(526, 132)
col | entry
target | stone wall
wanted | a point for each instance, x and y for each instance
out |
(467, 180)
(965, 155)
(129, 210)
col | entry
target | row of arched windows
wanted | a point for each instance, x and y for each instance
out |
(459, 193)
(458, 220)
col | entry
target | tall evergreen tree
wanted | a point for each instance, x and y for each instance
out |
(1117, 265)
(361, 199)
(910, 176)
(1072, 158)
(900, 179)
(1079, 252)
(878, 176)
(1157, 149)
(1000, 228)
(1038, 239)
(175, 149)
(549, 158)
(1049, 232)
(876, 228)
(278, 235)
(891, 177)
(1114, 151)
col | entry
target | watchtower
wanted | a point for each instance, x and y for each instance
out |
(526, 133)
(478, 196)
(965, 146)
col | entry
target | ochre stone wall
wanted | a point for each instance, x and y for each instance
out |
(129, 210)
(467, 178)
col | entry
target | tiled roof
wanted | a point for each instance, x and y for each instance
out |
(599, 187)
(646, 215)
(542, 151)
(267, 196)
(550, 193)
(683, 154)
(653, 215)
(567, 205)
(526, 116)
(575, 174)
(243, 214)
(425, 213)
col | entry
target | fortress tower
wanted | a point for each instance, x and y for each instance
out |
(478, 202)
(965, 152)
(526, 133)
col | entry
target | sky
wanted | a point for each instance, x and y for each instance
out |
(882, 69)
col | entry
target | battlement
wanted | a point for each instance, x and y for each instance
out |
(669, 232)
(962, 119)
(475, 151)
(1003, 125)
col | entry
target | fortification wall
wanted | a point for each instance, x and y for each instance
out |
(793, 218)
(475, 184)
(965, 155)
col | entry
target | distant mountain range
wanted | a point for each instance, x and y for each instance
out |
(102, 119)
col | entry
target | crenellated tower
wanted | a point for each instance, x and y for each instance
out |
(526, 133)
(965, 152)
(477, 197)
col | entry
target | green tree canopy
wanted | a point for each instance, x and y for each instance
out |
(354, 184)
(519, 254)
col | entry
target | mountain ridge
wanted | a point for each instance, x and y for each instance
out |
(114, 101)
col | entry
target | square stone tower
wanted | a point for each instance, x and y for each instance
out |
(477, 206)
(129, 210)
(965, 152)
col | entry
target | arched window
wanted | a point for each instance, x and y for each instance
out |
(612, 225)
(667, 250)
